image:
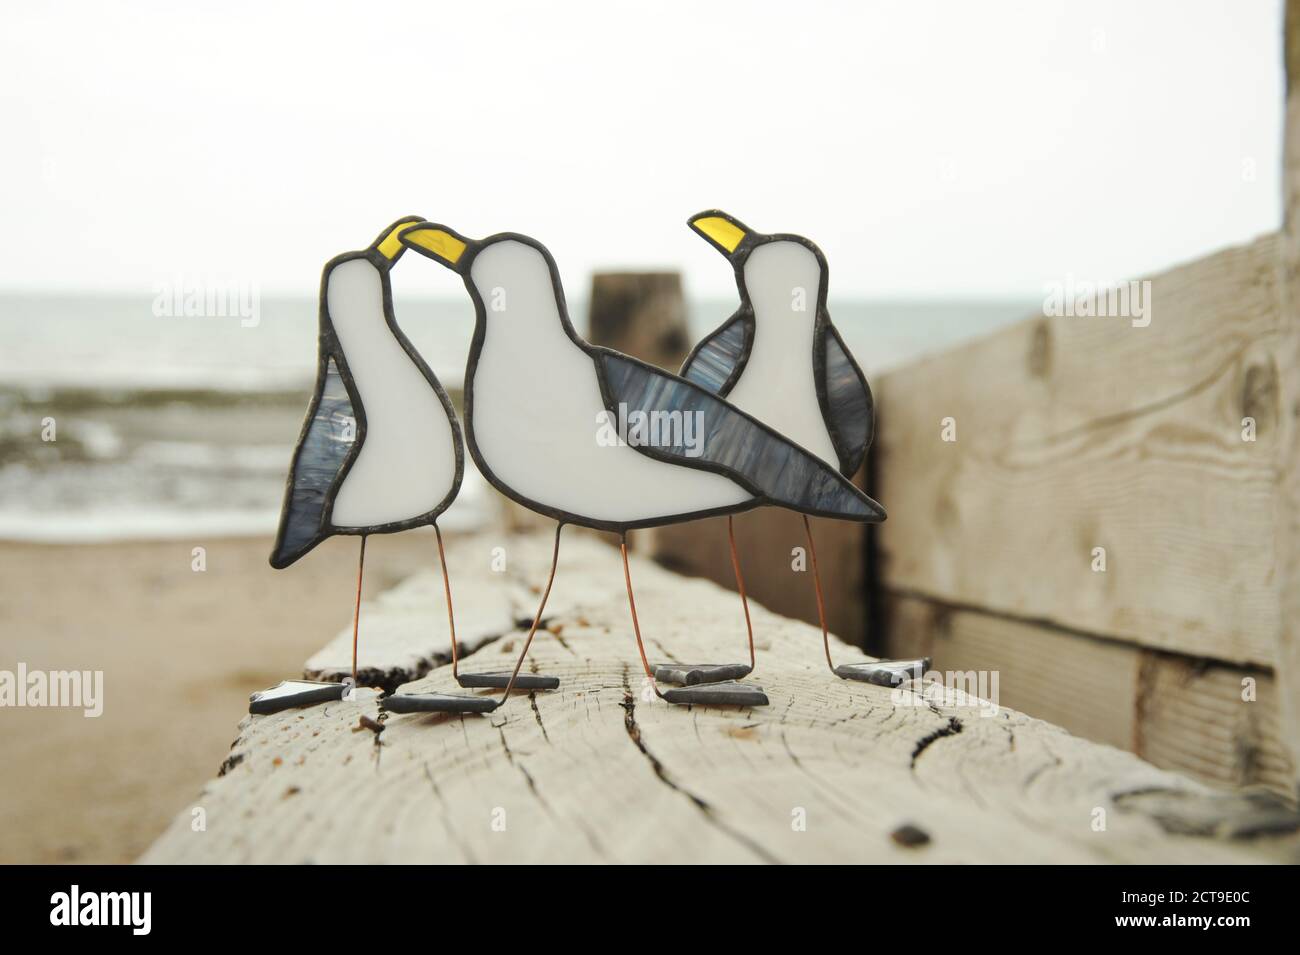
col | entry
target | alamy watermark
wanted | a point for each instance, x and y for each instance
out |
(82, 689)
(130, 909)
(955, 688)
(185, 296)
(1080, 298)
(651, 429)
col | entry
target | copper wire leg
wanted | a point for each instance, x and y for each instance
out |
(356, 613)
(537, 617)
(451, 616)
(821, 603)
(636, 626)
(740, 585)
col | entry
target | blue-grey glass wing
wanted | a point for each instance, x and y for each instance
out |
(848, 404)
(716, 361)
(698, 429)
(321, 454)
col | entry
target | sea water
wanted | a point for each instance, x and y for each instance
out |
(117, 422)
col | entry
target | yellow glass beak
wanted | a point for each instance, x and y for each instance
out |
(722, 231)
(442, 244)
(391, 244)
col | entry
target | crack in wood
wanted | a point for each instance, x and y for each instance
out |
(665, 652)
(452, 834)
(953, 727)
(845, 809)
(537, 714)
(390, 678)
(230, 762)
(661, 773)
(560, 640)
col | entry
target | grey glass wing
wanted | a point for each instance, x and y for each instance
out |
(697, 429)
(716, 362)
(317, 465)
(848, 406)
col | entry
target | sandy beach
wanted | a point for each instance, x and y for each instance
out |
(180, 651)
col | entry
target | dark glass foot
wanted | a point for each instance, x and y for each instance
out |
(889, 673)
(690, 674)
(499, 681)
(290, 693)
(438, 703)
(730, 693)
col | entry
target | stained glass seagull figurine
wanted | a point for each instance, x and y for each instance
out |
(779, 358)
(537, 397)
(380, 449)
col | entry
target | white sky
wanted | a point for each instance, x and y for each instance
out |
(931, 149)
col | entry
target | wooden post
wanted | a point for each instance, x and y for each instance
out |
(642, 314)
(1287, 666)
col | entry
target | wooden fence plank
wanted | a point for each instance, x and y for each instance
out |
(1188, 715)
(1201, 719)
(1086, 686)
(1078, 433)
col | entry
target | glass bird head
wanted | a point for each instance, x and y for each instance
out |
(511, 275)
(783, 276)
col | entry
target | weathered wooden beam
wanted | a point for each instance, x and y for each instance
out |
(1076, 433)
(600, 770)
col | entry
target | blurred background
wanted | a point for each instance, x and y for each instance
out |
(949, 159)
(175, 178)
